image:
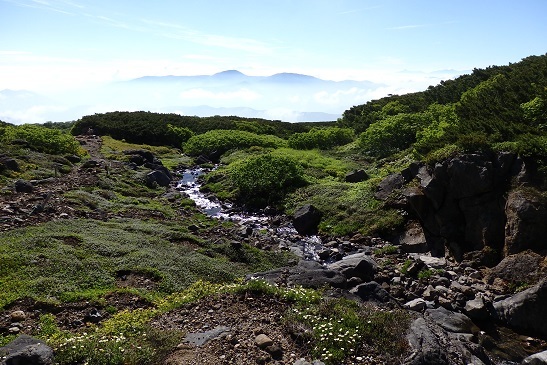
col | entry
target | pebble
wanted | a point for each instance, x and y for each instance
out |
(17, 316)
(263, 341)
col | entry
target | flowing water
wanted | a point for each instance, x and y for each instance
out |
(306, 247)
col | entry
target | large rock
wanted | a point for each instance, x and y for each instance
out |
(526, 222)
(518, 269)
(371, 291)
(413, 239)
(356, 176)
(470, 175)
(536, 359)
(525, 311)
(26, 350)
(451, 321)
(306, 219)
(146, 155)
(23, 186)
(425, 345)
(8, 163)
(389, 185)
(358, 265)
(157, 177)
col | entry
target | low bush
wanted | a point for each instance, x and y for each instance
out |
(321, 138)
(41, 139)
(265, 179)
(221, 141)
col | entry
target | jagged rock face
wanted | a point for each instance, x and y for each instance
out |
(526, 222)
(463, 203)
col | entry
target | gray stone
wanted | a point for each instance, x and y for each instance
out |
(523, 267)
(201, 338)
(389, 185)
(433, 262)
(8, 163)
(451, 321)
(157, 177)
(536, 359)
(26, 350)
(476, 309)
(263, 341)
(358, 265)
(425, 345)
(417, 305)
(413, 239)
(525, 228)
(525, 311)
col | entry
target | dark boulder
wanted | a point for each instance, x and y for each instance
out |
(356, 176)
(73, 158)
(157, 178)
(8, 163)
(147, 155)
(517, 269)
(389, 185)
(136, 159)
(358, 265)
(23, 186)
(371, 291)
(90, 164)
(26, 350)
(306, 219)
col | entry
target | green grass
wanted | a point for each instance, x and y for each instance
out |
(170, 157)
(61, 259)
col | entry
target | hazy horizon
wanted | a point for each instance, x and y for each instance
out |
(66, 56)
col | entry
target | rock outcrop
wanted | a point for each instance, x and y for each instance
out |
(468, 203)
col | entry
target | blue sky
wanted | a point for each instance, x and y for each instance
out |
(56, 45)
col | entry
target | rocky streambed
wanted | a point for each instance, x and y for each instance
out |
(464, 312)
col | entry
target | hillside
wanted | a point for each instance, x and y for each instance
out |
(409, 231)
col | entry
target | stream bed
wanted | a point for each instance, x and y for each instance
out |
(306, 247)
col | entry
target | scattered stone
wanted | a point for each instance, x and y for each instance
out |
(371, 291)
(275, 351)
(263, 341)
(94, 316)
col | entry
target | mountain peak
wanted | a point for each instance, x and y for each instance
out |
(229, 73)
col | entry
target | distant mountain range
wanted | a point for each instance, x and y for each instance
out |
(288, 97)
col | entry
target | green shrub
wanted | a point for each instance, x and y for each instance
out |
(392, 134)
(265, 179)
(322, 138)
(221, 141)
(42, 139)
